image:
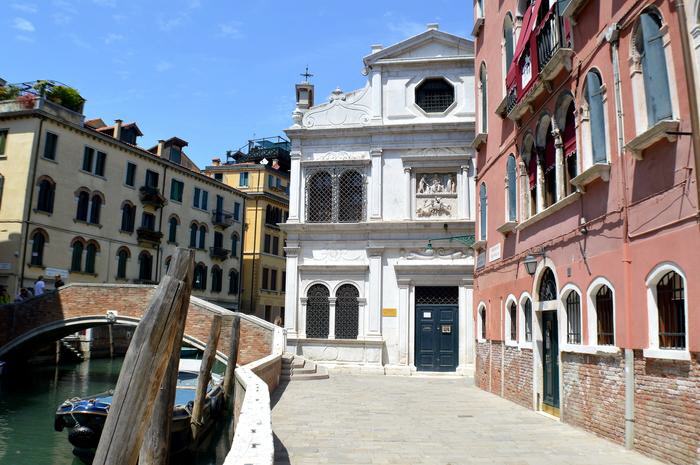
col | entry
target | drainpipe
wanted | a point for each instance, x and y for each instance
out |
(691, 86)
(255, 254)
(612, 36)
(159, 250)
(240, 255)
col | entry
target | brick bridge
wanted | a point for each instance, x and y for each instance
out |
(80, 306)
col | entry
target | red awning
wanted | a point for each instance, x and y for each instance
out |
(529, 24)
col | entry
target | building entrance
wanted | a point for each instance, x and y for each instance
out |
(436, 328)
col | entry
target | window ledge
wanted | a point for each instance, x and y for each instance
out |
(525, 345)
(479, 140)
(87, 223)
(478, 23)
(651, 136)
(667, 354)
(572, 9)
(479, 245)
(597, 171)
(512, 344)
(606, 350)
(507, 227)
(124, 231)
(43, 212)
(560, 61)
(480, 340)
(83, 273)
(501, 108)
(49, 159)
(568, 200)
(578, 349)
(42, 267)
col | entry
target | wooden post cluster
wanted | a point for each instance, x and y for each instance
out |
(150, 353)
(205, 376)
(229, 377)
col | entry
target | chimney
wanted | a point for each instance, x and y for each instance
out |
(377, 48)
(433, 26)
(161, 146)
(216, 161)
(118, 129)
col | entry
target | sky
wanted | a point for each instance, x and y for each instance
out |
(212, 72)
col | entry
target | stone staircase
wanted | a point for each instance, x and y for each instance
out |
(68, 347)
(295, 368)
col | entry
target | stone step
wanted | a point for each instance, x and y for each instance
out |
(299, 371)
(308, 377)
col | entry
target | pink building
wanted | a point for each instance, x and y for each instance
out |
(588, 240)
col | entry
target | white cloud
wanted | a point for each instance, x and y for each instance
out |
(112, 37)
(25, 7)
(163, 66)
(230, 30)
(22, 24)
(23, 38)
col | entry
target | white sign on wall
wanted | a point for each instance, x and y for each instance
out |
(52, 272)
(5, 266)
(495, 253)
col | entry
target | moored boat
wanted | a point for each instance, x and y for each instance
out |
(85, 417)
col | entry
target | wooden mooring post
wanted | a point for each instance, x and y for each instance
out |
(205, 376)
(229, 376)
(145, 364)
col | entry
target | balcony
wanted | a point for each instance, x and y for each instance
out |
(218, 253)
(543, 54)
(149, 236)
(151, 196)
(51, 97)
(222, 218)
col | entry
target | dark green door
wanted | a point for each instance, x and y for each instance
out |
(436, 338)
(550, 362)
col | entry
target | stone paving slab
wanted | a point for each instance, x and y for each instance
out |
(370, 420)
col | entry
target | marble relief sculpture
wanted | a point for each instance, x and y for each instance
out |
(436, 195)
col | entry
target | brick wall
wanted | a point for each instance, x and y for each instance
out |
(518, 376)
(496, 367)
(483, 366)
(667, 409)
(594, 394)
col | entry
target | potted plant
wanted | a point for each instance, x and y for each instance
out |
(66, 97)
(26, 101)
(9, 92)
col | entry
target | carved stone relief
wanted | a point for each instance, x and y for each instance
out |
(436, 254)
(436, 195)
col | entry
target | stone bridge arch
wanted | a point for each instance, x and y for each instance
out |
(81, 306)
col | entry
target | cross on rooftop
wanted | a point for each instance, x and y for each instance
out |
(306, 75)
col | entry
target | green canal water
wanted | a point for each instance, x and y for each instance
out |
(29, 397)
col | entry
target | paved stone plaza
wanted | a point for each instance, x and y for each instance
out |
(420, 420)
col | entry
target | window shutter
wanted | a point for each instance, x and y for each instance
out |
(512, 194)
(594, 96)
(656, 87)
(87, 159)
(100, 163)
(484, 102)
(482, 212)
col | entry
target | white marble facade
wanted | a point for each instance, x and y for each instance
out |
(417, 183)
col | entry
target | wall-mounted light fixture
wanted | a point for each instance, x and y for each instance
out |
(530, 262)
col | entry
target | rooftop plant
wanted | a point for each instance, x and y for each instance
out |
(66, 97)
(9, 92)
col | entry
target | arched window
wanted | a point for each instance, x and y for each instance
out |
(77, 255)
(47, 190)
(317, 311)
(527, 319)
(596, 116)
(435, 95)
(95, 209)
(122, 256)
(216, 279)
(350, 197)
(530, 160)
(512, 189)
(234, 245)
(649, 47)
(605, 316)
(508, 41)
(173, 223)
(128, 217)
(482, 323)
(483, 205)
(200, 277)
(347, 309)
(548, 286)
(319, 193)
(670, 301)
(483, 99)
(549, 151)
(39, 239)
(513, 320)
(193, 235)
(570, 150)
(145, 266)
(202, 237)
(573, 318)
(83, 206)
(233, 282)
(90, 256)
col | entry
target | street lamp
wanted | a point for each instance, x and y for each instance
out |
(530, 264)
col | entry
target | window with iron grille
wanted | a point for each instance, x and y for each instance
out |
(513, 315)
(317, 311)
(573, 318)
(670, 298)
(527, 314)
(435, 95)
(437, 295)
(347, 310)
(335, 195)
(548, 286)
(604, 315)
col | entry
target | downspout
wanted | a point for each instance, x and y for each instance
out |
(255, 254)
(31, 201)
(160, 228)
(691, 86)
(612, 36)
(240, 255)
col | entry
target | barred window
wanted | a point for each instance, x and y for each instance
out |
(527, 316)
(670, 295)
(437, 295)
(548, 286)
(573, 318)
(335, 195)
(317, 311)
(604, 315)
(513, 315)
(347, 310)
(435, 95)
(482, 323)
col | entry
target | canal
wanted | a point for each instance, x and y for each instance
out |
(29, 397)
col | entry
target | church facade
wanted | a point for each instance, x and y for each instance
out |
(381, 177)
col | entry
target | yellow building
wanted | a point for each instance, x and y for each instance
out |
(261, 170)
(82, 200)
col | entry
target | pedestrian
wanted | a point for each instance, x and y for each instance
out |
(4, 296)
(23, 295)
(58, 282)
(39, 286)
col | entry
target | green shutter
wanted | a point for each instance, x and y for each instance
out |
(656, 87)
(594, 98)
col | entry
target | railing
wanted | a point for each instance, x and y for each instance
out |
(549, 37)
(151, 196)
(512, 99)
(222, 218)
(149, 235)
(219, 253)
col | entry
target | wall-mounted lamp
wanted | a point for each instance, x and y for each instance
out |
(531, 262)
(583, 229)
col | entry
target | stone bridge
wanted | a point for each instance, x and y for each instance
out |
(80, 306)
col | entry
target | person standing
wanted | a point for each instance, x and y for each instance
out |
(58, 282)
(4, 296)
(39, 286)
(23, 295)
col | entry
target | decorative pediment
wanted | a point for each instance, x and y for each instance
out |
(430, 44)
(352, 109)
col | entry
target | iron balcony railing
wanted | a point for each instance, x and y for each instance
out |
(222, 218)
(219, 253)
(150, 195)
(549, 36)
(149, 235)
